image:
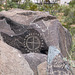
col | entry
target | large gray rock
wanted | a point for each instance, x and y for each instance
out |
(12, 62)
(34, 59)
(48, 27)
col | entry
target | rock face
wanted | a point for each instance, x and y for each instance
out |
(23, 25)
(34, 59)
(12, 62)
(59, 67)
(55, 65)
(42, 69)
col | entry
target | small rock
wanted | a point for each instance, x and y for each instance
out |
(34, 59)
(42, 68)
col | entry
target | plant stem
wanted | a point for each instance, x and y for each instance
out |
(6, 5)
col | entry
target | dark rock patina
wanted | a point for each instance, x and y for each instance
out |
(33, 31)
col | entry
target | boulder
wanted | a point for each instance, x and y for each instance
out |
(34, 59)
(24, 25)
(12, 62)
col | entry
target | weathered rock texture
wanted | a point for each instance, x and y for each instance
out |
(48, 27)
(12, 62)
(57, 67)
(34, 59)
(42, 68)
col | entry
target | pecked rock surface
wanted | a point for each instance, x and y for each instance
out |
(12, 62)
(55, 64)
(18, 21)
(34, 59)
(57, 67)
